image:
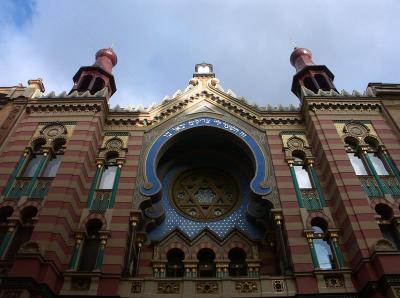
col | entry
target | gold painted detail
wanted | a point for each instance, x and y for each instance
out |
(278, 286)
(47, 134)
(207, 287)
(204, 194)
(356, 130)
(334, 281)
(248, 286)
(168, 288)
(136, 287)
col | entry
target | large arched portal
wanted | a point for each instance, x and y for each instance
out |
(206, 177)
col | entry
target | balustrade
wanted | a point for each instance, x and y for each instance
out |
(311, 199)
(101, 200)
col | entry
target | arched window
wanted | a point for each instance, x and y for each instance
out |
(206, 265)
(389, 231)
(322, 245)
(300, 169)
(98, 85)
(109, 172)
(85, 82)
(90, 246)
(322, 82)
(237, 264)
(175, 266)
(356, 159)
(35, 159)
(24, 231)
(53, 164)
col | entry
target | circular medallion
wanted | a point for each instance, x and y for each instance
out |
(204, 194)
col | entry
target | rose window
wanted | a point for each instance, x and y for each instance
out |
(204, 194)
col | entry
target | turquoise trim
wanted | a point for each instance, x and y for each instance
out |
(14, 175)
(374, 173)
(339, 254)
(314, 256)
(296, 187)
(74, 257)
(392, 166)
(115, 187)
(36, 174)
(93, 186)
(315, 180)
(99, 258)
(6, 241)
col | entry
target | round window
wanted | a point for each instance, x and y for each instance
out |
(204, 194)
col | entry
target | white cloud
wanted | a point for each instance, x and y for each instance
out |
(159, 42)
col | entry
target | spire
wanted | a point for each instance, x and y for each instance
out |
(98, 76)
(308, 74)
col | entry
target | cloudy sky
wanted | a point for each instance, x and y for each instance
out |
(158, 42)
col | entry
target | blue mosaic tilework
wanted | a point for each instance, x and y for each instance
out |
(173, 220)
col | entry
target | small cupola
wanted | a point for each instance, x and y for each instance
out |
(308, 74)
(98, 76)
(203, 70)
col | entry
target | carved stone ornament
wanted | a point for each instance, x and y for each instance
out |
(136, 287)
(397, 292)
(80, 283)
(278, 286)
(168, 288)
(384, 245)
(334, 281)
(207, 287)
(248, 286)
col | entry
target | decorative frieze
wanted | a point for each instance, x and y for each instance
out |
(246, 286)
(207, 287)
(334, 281)
(168, 287)
(278, 286)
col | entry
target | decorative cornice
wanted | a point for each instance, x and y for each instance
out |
(329, 104)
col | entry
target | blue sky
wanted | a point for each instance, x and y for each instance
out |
(158, 42)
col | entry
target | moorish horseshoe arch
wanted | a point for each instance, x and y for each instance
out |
(152, 185)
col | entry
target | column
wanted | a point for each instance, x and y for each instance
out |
(317, 185)
(222, 269)
(7, 239)
(100, 253)
(99, 168)
(134, 220)
(115, 185)
(296, 185)
(76, 251)
(278, 227)
(392, 165)
(310, 239)
(15, 173)
(374, 173)
(338, 252)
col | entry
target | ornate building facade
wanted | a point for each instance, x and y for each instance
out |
(201, 195)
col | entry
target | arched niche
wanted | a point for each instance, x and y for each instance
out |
(259, 182)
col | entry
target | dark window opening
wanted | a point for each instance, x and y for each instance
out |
(85, 82)
(309, 84)
(98, 85)
(237, 265)
(322, 82)
(206, 266)
(175, 266)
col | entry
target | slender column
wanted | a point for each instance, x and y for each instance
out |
(315, 180)
(338, 251)
(374, 173)
(140, 241)
(100, 253)
(222, 269)
(392, 165)
(38, 171)
(7, 239)
(190, 269)
(94, 184)
(310, 239)
(76, 251)
(296, 185)
(15, 173)
(134, 220)
(115, 185)
(278, 223)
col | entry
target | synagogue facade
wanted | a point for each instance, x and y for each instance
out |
(202, 195)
